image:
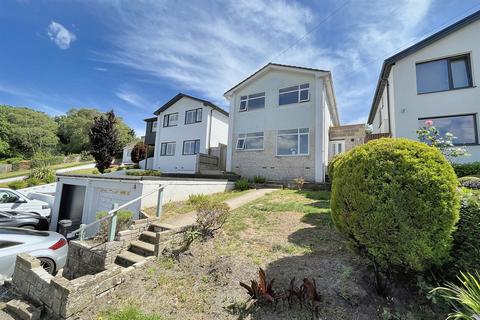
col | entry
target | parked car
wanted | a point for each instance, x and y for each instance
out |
(11, 200)
(26, 220)
(49, 247)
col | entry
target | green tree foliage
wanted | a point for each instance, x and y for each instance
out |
(73, 129)
(4, 131)
(104, 140)
(28, 131)
(396, 201)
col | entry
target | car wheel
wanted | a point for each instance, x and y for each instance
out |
(47, 265)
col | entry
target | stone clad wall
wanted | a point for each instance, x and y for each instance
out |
(353, 135)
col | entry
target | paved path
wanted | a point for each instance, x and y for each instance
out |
(83, 166)
(236, 202)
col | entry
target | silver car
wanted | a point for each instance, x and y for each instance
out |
(27, 220)
(49, 247)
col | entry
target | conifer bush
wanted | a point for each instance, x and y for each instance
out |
(396, 202)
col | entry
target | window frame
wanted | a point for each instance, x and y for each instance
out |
(162, 154)
(245, 138)
(196, 115)
(194, 147)
(449, 60)
(475, 126)
(167, 117)
(298, 90)
(247, 98)
(298, 134)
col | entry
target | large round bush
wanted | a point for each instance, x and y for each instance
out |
(396, 201)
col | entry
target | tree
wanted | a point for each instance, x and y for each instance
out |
(73, 129)
(4, 131)
(28, 131)
(104, 142)
(139, 152)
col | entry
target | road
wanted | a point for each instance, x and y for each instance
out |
(83, 166)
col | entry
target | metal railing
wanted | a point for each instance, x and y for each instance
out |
(112, 215)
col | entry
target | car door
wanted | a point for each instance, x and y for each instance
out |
(8, 255)
(6, 220)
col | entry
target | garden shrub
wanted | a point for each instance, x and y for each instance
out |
(124, 218)
(396, 201)
(43, 159)
(470, 182)
(85, 156)
(332, 163)
(242, 184)
(467, 169)
(19, 184)
(211, 216)
(259, 179)
(32, 182)
(144, 173)
(466, 243)
(43, 174)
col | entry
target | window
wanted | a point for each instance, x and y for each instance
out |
(170, 120)
(444, 74)
(463, 127)
(191, 147)
(294, 94)
(250, 141)
(292, 142)
(8, 197)
(193, 116)
(154, 126)
(337, 147)
(252, 102)
(167, 149)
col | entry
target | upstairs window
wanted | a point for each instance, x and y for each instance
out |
(463, 127)
(154, 126)
(292, 142)
(444, 74)
(193, 116)
(252, 102)
(167, 149)
(295, 94)
(191, 147)
(250, 141)
(170, 120)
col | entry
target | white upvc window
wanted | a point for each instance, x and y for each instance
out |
(252, 102)
(295, 94)
(167, 149)
(154, 126)
(293, 142)
(250, 141)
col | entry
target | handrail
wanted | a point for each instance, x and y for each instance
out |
(112, 213)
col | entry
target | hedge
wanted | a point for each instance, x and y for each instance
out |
(467, 169)
(396, 202)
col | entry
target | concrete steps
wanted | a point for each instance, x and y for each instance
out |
(148, 236)
(127, 258)
(142, 248)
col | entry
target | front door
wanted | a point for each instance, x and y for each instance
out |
(337, 147)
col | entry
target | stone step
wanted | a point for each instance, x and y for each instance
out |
(23, 310)
(142, 248)
(127, 258)
(148, 236)
(159, 227)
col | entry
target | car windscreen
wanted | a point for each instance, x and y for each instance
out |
(20, 231)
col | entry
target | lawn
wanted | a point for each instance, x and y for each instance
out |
(18, 173)
(289, 234)
(85, 171)
(174, 208)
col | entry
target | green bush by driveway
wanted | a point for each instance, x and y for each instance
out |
(396, 202)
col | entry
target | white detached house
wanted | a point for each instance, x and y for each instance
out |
(279, 123)
(184, 127)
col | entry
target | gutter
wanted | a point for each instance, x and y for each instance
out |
(210, 130)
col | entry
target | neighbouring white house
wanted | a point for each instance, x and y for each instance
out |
(279, 123)
(182, 129)
(435, 79)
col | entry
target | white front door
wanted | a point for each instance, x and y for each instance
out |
(336, 147)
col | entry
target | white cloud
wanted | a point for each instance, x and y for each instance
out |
(133, 99)
(101, 69)
(60, 35)
(208, 47)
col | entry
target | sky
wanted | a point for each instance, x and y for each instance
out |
(133, 56)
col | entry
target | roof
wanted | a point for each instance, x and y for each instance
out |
(183, 95)
(267, 66)
(150, 119)
(388, 63)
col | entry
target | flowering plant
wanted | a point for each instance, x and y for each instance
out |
(431, 135)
